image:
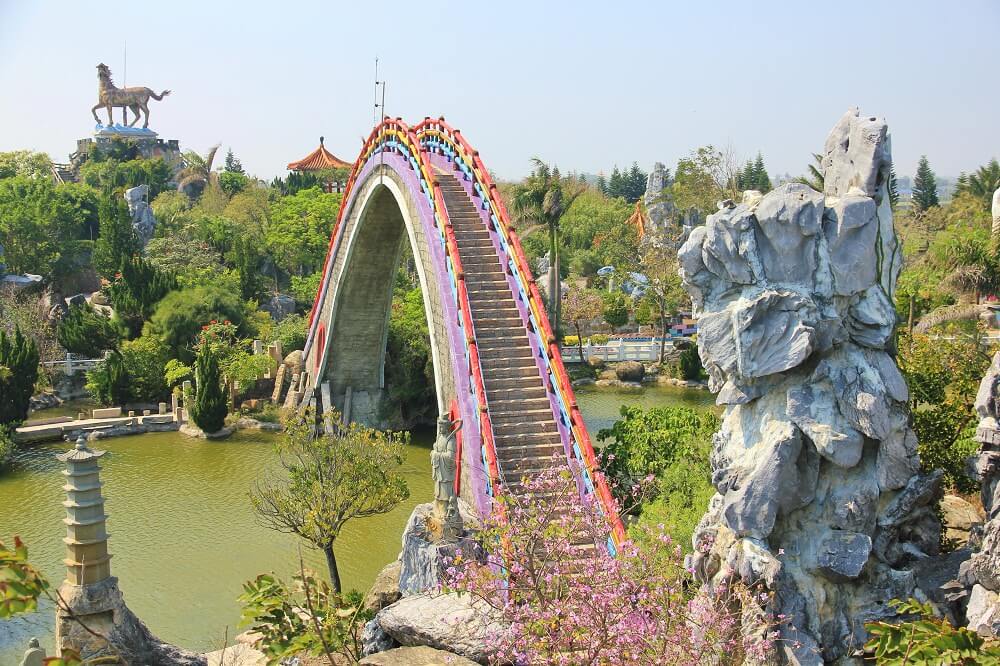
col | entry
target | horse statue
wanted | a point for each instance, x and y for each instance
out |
(134, 98)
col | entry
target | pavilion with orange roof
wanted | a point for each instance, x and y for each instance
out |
(318, 160)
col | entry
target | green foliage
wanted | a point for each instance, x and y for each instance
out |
(924, 186)
(7, 446)
(330, 625)
(20, 583)
(599, 339)
(943, 376)
(615, 310)
(815, 178)
(690, 364)
(233, 164)
(673, 444)
(25, 163)
(18, 374)
(193, 262)
(304, 288)
(409, 366)
(233, 183)
(83, 330)
(332, 477)
(981, 184)
(210, 404)
(246, 259)
(697, 180)
(136, 289)
(291, 331)
(179, 316)
(927, 640)
(117, 241)
(114, 176)
(299, 232)
(36, 222)
(628, 185)
(754, 176)
(132, 373)
(176, 373)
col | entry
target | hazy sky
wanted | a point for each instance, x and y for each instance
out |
(584, 85)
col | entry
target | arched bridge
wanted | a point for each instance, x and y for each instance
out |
(496, 362)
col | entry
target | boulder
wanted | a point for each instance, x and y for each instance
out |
(374, 639)
(279, 306)
(842, 555)
(958, 518)
(416, 656)
(983, 611)
(426, 555)
(77, 299)
(630, 371)
(455, 622)
(385, 590)
(596, 362)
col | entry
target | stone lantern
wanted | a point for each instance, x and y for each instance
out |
(87, 559)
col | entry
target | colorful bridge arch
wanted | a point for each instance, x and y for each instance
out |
(427, 186)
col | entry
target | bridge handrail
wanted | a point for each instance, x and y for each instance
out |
(439, 129)
(394, 134)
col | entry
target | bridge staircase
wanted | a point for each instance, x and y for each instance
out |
(525, 433)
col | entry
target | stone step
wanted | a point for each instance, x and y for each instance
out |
(515, 357)
(494, 383)
(486, 332)
(484, 281)
(540, 409)
(523, 368)
(504, 440)
(487, 323)
(491, 345)
(543, 424)
(532, 393)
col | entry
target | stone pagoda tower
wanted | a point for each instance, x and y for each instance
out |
(87, 559)
(90, 594)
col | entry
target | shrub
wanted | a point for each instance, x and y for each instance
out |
(210, 405)
(7, 447)
(304, 288)
(136, 288)
(928, 639)
(133, 373)
(571, 341)
(599, 339)
(108, 383)
(291, 331)
(409, 367)
(178, 318)
(176, 373)
(84, 330)
(18, 374)
(690, 363)
(615, 309)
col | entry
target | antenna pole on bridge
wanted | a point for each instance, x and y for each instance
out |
(375, 112)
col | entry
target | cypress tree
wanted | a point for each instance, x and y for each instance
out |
(116, 240)
(891, 187)
(616, 185)
(18, 373)
(924, 188)
(138, 288)
(210, 405)
(86, 331)
(602, 183)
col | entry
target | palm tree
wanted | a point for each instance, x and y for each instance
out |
(197, 172)
(982, 184)
(815, 178)
(544, 198)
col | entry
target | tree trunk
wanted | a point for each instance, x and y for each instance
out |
(558, 291)
(552, 275)
(579, 341)
(909, 323)
(331, 564)
(663, 331)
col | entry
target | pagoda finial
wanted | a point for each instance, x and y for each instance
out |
(321, 141)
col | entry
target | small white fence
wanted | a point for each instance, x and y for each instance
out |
(71, 365)
(615, 351)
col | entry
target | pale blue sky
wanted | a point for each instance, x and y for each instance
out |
(585, 85)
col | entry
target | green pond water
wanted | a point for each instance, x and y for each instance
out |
(183, 535)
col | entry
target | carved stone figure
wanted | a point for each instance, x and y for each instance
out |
(110, 96)
(981, 573)
(34, 655)
(443, 470)
(819, 496)
(143, 220)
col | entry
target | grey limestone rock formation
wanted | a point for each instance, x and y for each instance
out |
(425, 551)
(981, 573)
(143, 220)
(819, 496)
(458, 623)
(659, 206)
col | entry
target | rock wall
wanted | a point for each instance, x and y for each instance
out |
(819, 497)
(659, 205)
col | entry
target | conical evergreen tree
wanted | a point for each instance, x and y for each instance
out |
(210, 404)
(924, 188)
(891, 187)
(116, 240)
(233, 164)
(18, 373)
(602, 183)
(84, 330)
(616, 185)
(761, 181)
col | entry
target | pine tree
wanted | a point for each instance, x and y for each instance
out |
(84, 330)
(635, 183)
(746, 178)
(602, 184)
(246, 259)
(138, 286)
(761, 182)
(210, 404)
(924, 187)
(18, 373)
(891, 187)
(616, 186)
(233, 164)
(116, 240)
(962, 185)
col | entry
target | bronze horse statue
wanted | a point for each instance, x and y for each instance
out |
(134, 98)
